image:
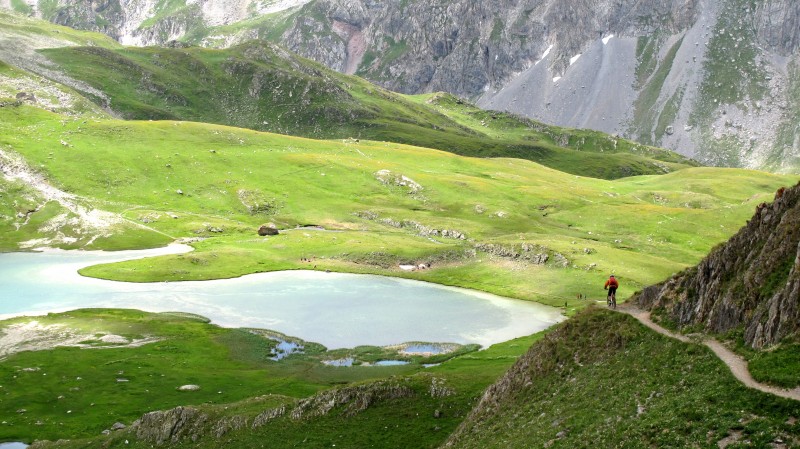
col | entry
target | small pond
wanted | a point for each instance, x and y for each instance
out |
(390, 363)
(336, 310)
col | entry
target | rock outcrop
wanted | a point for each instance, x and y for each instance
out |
(170, 426)
(778, 25)
(750, 282)
(186, 425)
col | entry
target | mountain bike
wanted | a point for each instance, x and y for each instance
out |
(612, 300)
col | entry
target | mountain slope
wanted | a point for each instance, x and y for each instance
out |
(491, 224)
(712, 79)
(263, 87)
(716, 80)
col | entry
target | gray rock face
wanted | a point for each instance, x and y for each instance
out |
(463, 47)
(752, 281)
(671, 75)
(778, 25)
(171, 426)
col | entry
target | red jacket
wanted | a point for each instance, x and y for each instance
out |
(611, 282)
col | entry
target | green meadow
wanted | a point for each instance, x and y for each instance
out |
(600, 379)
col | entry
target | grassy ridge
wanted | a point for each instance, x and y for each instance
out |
(184, 179)
(260, 86)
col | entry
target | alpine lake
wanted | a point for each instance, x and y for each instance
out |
(334, 309)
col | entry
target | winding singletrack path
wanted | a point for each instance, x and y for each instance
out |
(735, 363)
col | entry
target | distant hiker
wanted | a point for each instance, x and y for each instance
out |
(611, 286)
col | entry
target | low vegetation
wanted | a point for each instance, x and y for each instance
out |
(657, 391)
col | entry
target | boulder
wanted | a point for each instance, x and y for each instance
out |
(268, 229)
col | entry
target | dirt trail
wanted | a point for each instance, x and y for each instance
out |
(735, 363)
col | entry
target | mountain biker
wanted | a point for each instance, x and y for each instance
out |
(611, 286)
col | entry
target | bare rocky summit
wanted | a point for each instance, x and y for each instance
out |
(752, 281)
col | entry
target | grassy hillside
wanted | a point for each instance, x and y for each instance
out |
(73, 392)
(598, 380)
(602, 152)
(263, 87)
(604, 380)
(528, 231)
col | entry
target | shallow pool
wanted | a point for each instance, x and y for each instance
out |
(337, 310)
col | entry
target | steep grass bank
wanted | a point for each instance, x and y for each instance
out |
(604, 380)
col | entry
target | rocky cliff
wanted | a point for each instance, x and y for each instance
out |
(750, 282)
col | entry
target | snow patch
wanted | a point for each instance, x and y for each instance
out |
(544, 55)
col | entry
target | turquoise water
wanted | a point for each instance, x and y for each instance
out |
(337, 310)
